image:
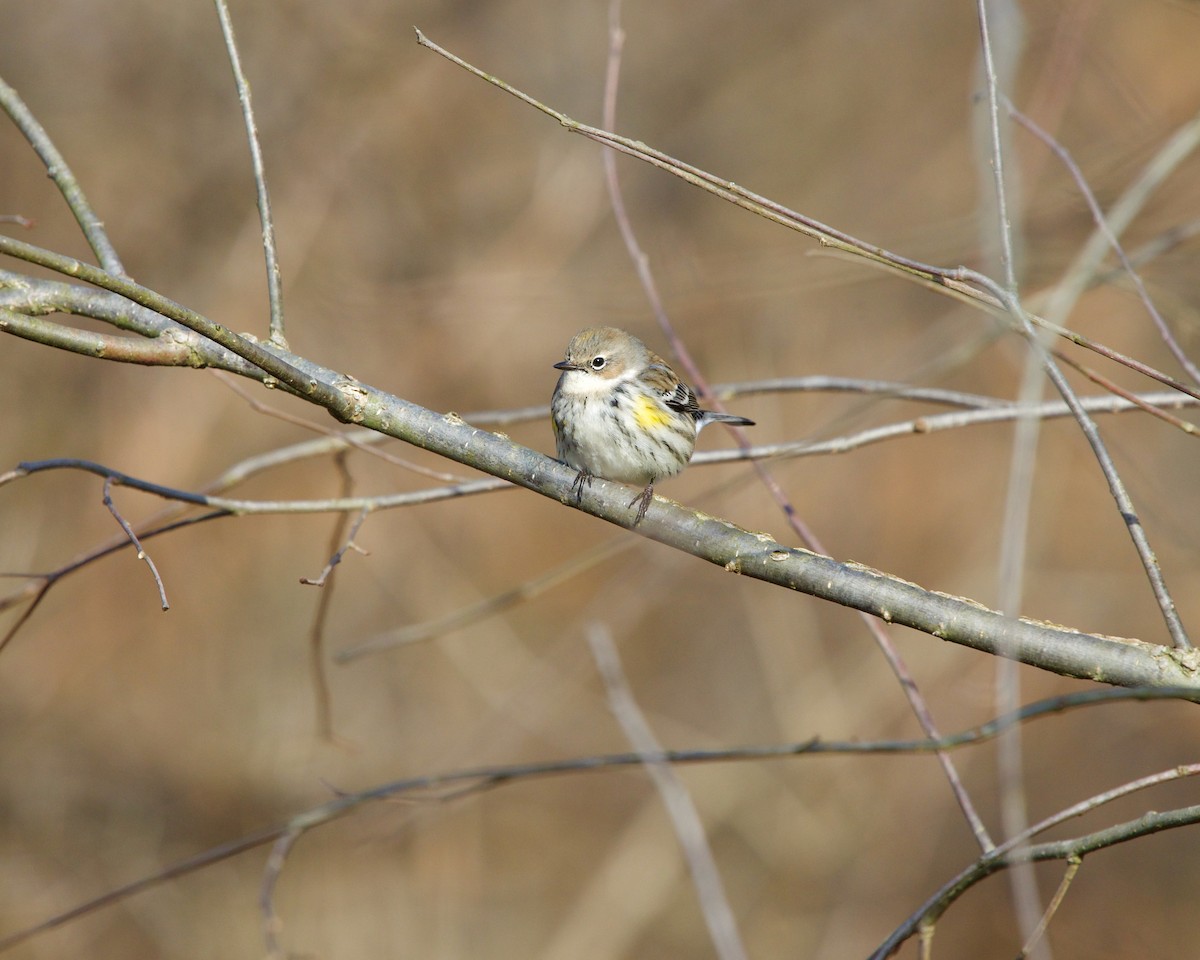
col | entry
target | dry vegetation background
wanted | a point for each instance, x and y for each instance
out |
(443, 242)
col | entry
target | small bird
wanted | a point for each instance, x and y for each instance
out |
(620, 412)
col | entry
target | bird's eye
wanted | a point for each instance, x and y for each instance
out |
(598, 363)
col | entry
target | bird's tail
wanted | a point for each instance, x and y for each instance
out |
(711, 416)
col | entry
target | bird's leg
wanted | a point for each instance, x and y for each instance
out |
(643, 501)
(582, 479)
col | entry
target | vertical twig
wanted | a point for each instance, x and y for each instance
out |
(342, 540)
(1017, 508)
(274, 287)
(272, 924)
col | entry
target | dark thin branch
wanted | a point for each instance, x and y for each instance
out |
(233, 506)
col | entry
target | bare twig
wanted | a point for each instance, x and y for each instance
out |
(365, 441)
(342, 539)
(274, 287)
(36, 591)
(1073, 865)
(1019, 492)
(272, 924)
(141, 553)
(1110, 238)
(934, 423)
(63, 177)
(233, 506)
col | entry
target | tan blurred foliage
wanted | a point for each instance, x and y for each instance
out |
(441, 241)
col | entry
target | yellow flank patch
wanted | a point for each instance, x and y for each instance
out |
(649, 414)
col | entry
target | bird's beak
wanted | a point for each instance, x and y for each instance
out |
(567, 365)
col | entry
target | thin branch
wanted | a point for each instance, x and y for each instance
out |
(935, 423)
(999, 183)
(1155, 247)
(233, 506)
(1105, 231)
(1073, 865)
(274, 287)
(99, 346)
(42, 582)
(141, 553)
(365, 441)
(43, 588)
(918, 426)
(63, 177)
(272, 924)
(24, 301)
(1116, 486)
(23, 295)
(180, 868)
(1181, 145)
(1019, 493)
(957, 279)
(342, 539)
(1116, 389)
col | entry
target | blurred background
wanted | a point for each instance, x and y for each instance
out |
(442, 241)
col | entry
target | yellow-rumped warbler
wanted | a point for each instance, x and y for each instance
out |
(621, 413)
